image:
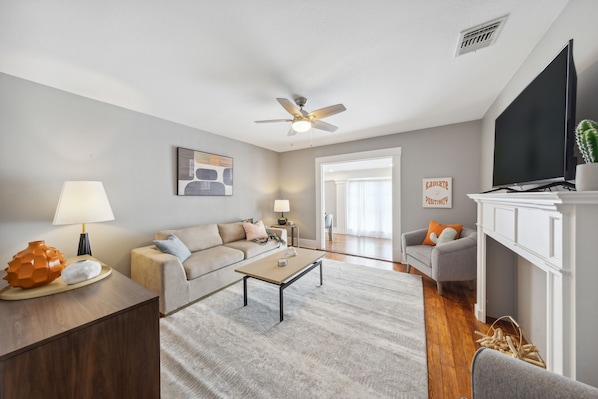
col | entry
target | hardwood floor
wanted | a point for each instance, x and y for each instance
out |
(377, 248)
(450, 329)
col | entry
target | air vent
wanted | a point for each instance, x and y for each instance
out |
(480, 36)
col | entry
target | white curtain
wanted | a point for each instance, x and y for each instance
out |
(369, 208)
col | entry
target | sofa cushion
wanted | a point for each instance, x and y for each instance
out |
(172, 245)
(230, 232)
(422, 253)
(208, 260)
(251, 249)
(196, 238)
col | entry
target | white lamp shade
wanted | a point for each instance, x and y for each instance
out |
(282, 206)
(83, 202)
(301, 125)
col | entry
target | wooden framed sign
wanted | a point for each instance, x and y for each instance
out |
(437, 192)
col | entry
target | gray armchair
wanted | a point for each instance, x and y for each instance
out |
(452, 261)
(495, 375)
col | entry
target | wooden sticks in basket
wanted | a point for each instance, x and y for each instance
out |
(512, 345)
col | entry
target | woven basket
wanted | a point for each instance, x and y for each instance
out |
(516, 345)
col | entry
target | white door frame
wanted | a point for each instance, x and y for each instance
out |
(395, 153)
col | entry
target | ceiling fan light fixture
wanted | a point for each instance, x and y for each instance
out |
(302, 120)
(301, 125)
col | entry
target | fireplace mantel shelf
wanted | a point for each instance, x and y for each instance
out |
(555, 232)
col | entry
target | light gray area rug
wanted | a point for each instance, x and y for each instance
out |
(360, 335)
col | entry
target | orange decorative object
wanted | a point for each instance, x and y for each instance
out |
(36, 265)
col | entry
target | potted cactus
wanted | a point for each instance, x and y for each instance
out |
(586, 135)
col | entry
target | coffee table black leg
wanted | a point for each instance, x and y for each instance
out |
(321, 281)
(281, 299)
(245, 290)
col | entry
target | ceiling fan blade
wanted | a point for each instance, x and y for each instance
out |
(328, 111)
(275, 120)
(291, 108)
(324, 126)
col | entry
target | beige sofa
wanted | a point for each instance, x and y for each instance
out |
(216, 251)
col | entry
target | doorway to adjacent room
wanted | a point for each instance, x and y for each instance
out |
(362, 193)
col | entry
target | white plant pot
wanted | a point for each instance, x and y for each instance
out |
(586, 177)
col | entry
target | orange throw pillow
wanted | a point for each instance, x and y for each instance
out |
(437, 228)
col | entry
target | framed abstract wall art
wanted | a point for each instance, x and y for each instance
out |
(438, 192)
(202, 173)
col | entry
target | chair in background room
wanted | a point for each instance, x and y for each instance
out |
(328, 225)
(455, 260)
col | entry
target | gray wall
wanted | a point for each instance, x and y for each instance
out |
(48, 136)
(577, 22)
(446, 151)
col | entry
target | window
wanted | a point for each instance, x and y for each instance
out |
(369, 208)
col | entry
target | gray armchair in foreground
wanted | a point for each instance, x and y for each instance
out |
(452, 261)
(495, 375)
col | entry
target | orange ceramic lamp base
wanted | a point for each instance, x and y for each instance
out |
(37, 265)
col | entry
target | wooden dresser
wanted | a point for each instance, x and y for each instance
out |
(97, 341)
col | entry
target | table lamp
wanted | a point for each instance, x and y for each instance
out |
(83, 202)
(282, 206)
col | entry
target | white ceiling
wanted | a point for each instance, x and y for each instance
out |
(219, 65)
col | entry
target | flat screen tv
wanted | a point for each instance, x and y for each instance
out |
(534, 137)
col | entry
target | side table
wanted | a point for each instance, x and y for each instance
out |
(294, 230)
(100, 340)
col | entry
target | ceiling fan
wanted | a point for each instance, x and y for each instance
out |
(302, 120)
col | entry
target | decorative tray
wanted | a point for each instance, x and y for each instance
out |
(17, 293)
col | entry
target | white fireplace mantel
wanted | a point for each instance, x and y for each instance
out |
(557, 232)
